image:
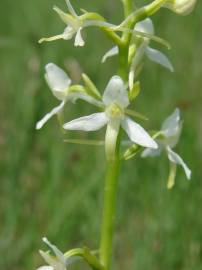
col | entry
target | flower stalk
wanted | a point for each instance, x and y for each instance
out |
(113, 169)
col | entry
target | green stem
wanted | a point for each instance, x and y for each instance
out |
(113, 168)
(139, 15)
(110, 196)
(123, 62)
(127, 5)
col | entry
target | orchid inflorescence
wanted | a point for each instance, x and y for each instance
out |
(113, 106)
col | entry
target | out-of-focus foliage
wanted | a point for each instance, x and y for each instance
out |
(54, 189)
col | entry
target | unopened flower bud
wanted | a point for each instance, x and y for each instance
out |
(182, 7)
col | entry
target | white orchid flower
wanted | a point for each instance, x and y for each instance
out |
(182, 7)
(57, 262)
(115, 101)
(75, 25)
(60, 83)
(145, 26)
(170, 131)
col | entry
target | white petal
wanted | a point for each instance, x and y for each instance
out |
(116, 92)
(149, 152)
(56, 110)
(159, 58)
(112, 52)
(72, 260)
(52, 261)
(57, 252)
(145, 26)
(64, 17)
(71, 9)
(175, 158)
(131, 78)
(78, 39)
(57, 80)
(69, 32)
(60, 36)
(88, 123)
(137, 134)
(45, 267)
(172, 125)
(111, 138)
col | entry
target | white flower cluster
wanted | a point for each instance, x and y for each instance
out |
(116, 97)
(113, 112)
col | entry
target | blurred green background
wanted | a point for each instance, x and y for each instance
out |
(54, 189)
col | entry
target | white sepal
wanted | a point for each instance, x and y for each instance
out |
(175, 158)
(57, 80)
(45, 267)
(172, 125)
(57, 252)
(112, 52)
(68, 33)
(137, 134)
(116, 92)
(56, 110)
(88, 123)
(149, 152)
(71, 9)
(49, 259)
(145, 26)
(159, 58)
